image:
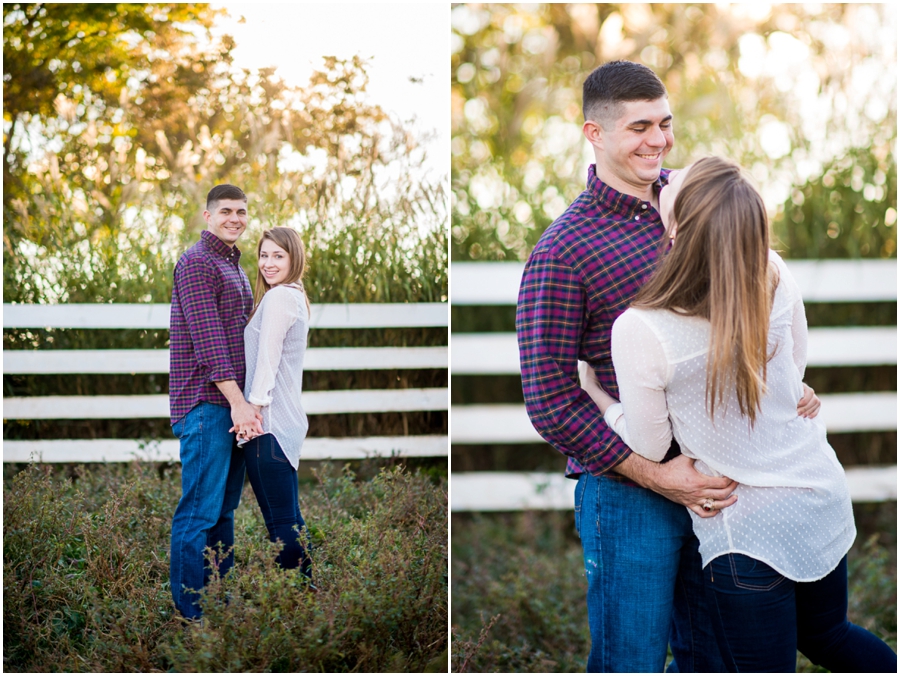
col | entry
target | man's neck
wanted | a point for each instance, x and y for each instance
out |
(230, 246)
(641, 192)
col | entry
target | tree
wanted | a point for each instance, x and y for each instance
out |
(77, 60)
(113, 189)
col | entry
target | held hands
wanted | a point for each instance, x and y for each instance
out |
(247, 420)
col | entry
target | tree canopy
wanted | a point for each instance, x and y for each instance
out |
(118, 119)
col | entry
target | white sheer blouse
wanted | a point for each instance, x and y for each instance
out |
(274, 346)
(793, 510)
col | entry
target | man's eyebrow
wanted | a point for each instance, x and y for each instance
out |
(645, 123)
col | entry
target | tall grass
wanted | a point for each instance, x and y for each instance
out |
(518, 589)
(85, 577)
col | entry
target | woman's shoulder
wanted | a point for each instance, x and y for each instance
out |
(776, 260)
(285, 298)
(284, 292)
(635, 320)
(786, 284)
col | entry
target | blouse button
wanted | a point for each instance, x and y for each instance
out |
(644, 206)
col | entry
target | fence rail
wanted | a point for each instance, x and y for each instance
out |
(828, 281)
(156, 316)
(485, 354)
(514, 491)
(157, 361)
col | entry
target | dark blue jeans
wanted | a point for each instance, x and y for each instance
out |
(212, 478)
(274, 483)
(645, 585)
(762, 618)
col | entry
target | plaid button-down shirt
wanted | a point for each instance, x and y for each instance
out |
(584, 272)
(211, 301)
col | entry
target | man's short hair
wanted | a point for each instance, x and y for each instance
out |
(614, 83)
(223, 192)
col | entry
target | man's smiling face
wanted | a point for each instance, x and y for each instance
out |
(228, 220)
(632, 149)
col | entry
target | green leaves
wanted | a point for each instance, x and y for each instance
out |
(86, 577)
(791, 92)
(105, 187)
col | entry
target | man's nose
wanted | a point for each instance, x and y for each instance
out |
(657, 138)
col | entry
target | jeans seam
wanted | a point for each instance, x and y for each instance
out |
(262, 483)
(727, 646)
(693, 643)
(578, 505)
(190, 520)
(605, 656)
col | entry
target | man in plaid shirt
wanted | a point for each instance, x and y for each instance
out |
(211, 301)
(640, 553)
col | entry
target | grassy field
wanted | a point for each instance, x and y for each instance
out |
(86, 583)
(518, 589)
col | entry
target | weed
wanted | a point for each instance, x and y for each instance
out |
(86, 578)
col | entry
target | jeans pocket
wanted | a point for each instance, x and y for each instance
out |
(753, 575)
(275, 451)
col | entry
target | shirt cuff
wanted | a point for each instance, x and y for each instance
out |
(219, 376)
(259, 401)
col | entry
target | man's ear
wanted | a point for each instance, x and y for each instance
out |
(593, 132)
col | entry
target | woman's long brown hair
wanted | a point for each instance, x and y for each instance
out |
(718, 268)
(290, 241)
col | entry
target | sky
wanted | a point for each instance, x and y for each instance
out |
(404, 42)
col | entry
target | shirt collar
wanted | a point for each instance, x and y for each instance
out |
(217, 245)
(615, 200)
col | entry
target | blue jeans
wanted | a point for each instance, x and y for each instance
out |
(645, 586)
(274, 483)
(762, 618)
(212, 478)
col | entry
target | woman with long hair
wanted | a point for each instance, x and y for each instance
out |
(713, 350)
(274, 346)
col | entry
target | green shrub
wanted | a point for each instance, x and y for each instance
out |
(519, 591)
(86, 578)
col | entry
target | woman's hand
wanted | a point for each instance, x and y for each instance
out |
(249, 431)
(591, 385)
(809, 404)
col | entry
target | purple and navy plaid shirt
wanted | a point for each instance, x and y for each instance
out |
(584, 272)
(211, 301)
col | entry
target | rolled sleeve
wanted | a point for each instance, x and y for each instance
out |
(550, 321)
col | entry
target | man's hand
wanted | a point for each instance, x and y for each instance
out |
(247, 419)
(678, 481)
(809, 403)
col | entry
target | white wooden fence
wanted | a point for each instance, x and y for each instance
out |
(497, 284)
(156, 316)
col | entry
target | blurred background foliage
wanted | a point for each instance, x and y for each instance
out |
(803, 96)
(117, 121)
(119, 118)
